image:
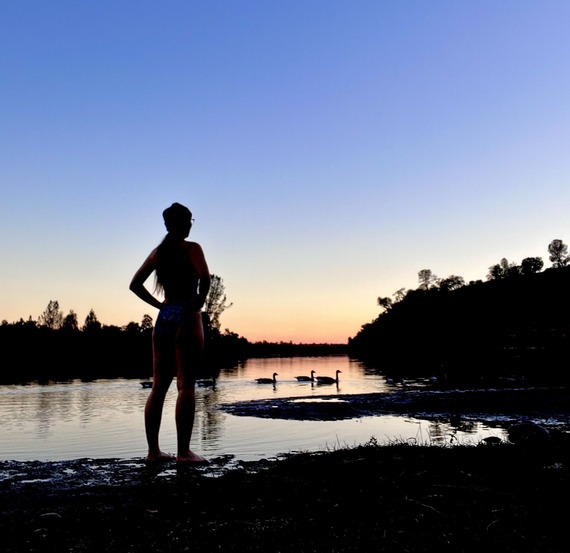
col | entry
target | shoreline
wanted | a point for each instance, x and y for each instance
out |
(391, 498)
(399, 497)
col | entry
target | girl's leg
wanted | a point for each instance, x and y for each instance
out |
(189, 348)
(163, 372)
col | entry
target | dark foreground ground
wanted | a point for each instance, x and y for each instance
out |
(467, 498)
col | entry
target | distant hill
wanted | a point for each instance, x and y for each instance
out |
(517, 326)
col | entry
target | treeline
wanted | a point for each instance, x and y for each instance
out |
(290, 349)
(38, 352)
(515, 325)
(56, 348)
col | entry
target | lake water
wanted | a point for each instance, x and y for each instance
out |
(104, 418)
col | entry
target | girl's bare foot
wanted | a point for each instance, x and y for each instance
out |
(190, 458)
(159, 457)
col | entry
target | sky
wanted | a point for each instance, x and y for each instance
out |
(328, 149)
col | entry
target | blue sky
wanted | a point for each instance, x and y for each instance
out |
(328, 149)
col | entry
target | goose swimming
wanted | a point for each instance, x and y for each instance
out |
(267, 380)
(306, 378)
(328, 379)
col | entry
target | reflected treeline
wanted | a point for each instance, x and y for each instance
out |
(290, 349)
(516, 327)
(38, 352)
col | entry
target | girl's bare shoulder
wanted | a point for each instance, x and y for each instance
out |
(192, 246)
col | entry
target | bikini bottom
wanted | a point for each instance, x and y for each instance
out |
(170, 319)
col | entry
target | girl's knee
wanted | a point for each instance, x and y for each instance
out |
(185, 383)
(161, 384)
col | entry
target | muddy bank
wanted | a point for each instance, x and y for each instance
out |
(543, 404)
(506, 496)
(371, 498)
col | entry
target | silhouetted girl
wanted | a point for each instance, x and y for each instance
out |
(183, 278)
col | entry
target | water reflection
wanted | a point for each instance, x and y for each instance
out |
(104, 418)
(210, 419)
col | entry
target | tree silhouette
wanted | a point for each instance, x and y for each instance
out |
(385, 303)
(91, 322)
(452, 282)
(558, 251)
(70, 322)
(216, 300)
(531, 265)
(399, 294)
(146, 323)
(427, 279)
(52, 317)
(503, 269)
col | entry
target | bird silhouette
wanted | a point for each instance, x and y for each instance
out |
(267, 380)
(306, 378)
(328, 379)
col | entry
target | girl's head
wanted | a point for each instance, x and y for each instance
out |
(172, 265)
(177, 219)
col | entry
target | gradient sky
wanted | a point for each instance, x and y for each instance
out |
(329, 150)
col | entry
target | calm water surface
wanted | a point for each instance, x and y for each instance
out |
(104, 419)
